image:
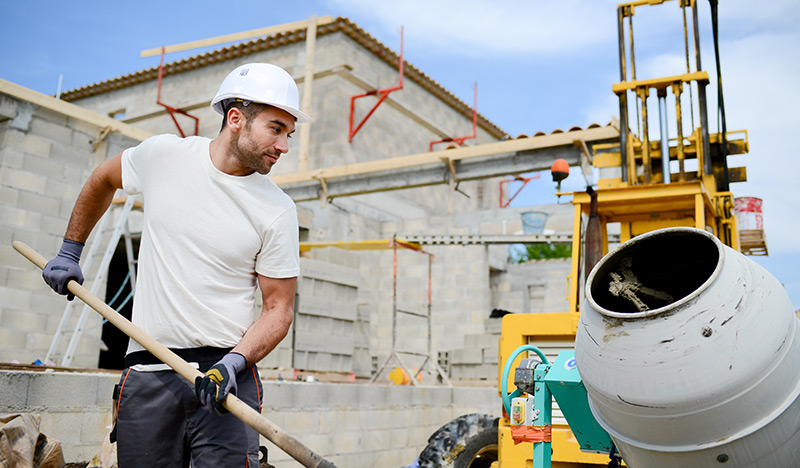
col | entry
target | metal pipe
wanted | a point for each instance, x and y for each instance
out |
(676, 89)
(623, 97)
(633, 66)
(642, 92)
(701, 96)
(688, 66)
(662, 115)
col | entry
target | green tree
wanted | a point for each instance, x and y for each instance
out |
(524, 252)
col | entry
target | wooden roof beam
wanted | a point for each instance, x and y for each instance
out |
(235, 37)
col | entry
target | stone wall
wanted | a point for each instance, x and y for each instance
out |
(349, 424)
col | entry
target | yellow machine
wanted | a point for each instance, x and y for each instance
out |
(643, 185)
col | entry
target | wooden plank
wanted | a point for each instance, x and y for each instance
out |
(305, 133)
(240, 36)
(71, 110)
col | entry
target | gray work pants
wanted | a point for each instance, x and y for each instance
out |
(160, 423)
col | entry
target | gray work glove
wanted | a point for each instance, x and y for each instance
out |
(64, 267)
(220, 380)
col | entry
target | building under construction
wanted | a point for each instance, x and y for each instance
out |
(405, 226)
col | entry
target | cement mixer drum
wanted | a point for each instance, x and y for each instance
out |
(690, 355)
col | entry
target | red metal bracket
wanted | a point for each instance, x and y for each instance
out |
(524, 181)
(460, 140)
(383, 93)
(172, 110)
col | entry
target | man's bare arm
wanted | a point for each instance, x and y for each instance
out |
(94, 199)
(273, 324)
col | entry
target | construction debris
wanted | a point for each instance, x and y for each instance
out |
(23, 446)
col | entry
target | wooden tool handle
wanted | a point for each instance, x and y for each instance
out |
(237, 407)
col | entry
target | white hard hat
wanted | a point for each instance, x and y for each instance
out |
(263, 83)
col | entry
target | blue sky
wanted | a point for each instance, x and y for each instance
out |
(539, 65)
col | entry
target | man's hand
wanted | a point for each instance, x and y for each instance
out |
(64, 267)
(219, 381)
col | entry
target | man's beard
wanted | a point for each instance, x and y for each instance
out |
(248, 154)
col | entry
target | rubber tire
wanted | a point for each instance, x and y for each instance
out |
(456, 444)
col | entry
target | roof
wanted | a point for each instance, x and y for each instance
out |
(341, 24)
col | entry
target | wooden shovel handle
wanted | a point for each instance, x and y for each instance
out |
(237, 407)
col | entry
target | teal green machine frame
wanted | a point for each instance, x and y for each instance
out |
(562, 381)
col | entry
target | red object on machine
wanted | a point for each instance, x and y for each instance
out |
(559, 170)
(748, 213)
(533, 434)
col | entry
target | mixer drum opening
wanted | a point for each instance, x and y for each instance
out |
(654, 272)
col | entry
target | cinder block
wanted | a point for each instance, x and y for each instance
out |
(14, 298)
(490, 356)
(83, 141)
(310, 341)
(371, 395)
(71, 156)
(57, 132)
(63, 425)
(342, 345)
(62, 390)
(348, 441)
(8, 195)
(436, 396)
(52, 116)
(279, 394)
(11, 157)
(319, 361)
(483, 399)
(21, 320)
(44, 166)
(468, 355)
(95, 426)
(13, 389)
(378, 438)
(105, 388)
(302, 422)
(83, 127)
(29, 143)
(43, 204)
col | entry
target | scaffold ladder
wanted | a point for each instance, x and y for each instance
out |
(121, 209)
(430, 361)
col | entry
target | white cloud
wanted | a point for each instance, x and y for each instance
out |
(760, 95)
(475, 28)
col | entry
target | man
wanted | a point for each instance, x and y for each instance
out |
(215, 228)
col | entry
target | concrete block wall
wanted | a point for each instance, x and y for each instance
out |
(348, 424)
(478, 360)
(533, 287)
(468, 282)
(326, 313)
(45, 157)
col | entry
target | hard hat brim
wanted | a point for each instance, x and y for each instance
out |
(300, 116)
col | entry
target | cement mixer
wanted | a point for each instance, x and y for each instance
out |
(690, 355)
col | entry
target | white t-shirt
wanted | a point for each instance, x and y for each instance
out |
(205, 236)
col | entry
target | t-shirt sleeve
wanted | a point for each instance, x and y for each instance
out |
(135, 163)
(280, 253)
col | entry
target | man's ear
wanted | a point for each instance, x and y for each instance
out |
(236, 119)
